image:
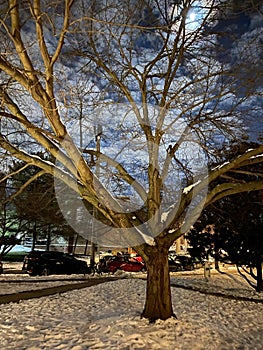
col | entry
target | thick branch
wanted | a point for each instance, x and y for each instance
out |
(228, 189)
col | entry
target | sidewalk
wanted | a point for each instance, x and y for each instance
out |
(16, 297)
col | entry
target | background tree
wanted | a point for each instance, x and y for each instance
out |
(11, 227)
(161, 89)
(237, 232)
(234, 225)
(240, 235)
(34, 198)
(201, 241)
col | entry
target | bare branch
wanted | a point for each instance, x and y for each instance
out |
(15, 172)
(25, 185)
(122, 172)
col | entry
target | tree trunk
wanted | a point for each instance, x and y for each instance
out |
(34, 236)
(48, 238)
(217, 259)
(158, 303)
(93, 254)
(259, 287)
(1, 265)
(75, 244)
(70, 244)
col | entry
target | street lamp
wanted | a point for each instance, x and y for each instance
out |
(98, 133)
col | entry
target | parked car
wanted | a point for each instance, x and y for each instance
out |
(120, 262)
(174, 264)
(181, 263)
(102, 265)
(46, 263)
(137, 257)
(186, 261)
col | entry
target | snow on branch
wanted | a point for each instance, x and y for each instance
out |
(191, 187)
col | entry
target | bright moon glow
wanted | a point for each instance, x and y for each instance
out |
(195, 14)
(192, 16)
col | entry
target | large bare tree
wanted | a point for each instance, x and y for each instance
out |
(148, 77)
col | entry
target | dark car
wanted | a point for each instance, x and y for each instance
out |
(46, 263)
(174, 264)
(181, 263)
(186, 261)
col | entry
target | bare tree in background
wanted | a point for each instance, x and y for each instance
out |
(159, 87)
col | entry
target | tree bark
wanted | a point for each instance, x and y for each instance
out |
(70, 244)
(259, 287)
(158, 303)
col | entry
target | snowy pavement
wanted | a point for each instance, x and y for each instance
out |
(107, 316)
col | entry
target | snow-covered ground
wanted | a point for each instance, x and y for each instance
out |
(107, 316)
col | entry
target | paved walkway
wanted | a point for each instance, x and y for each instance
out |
(16, 297)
